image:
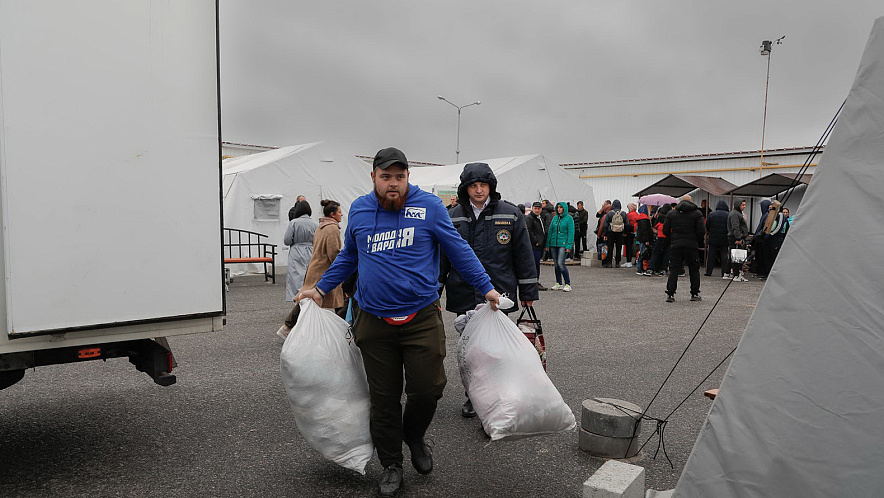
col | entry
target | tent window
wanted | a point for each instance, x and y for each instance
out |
(266, 208)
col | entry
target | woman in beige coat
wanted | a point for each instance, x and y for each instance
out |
(326, 246)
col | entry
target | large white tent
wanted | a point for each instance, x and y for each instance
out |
(260, 188)
(521, 179)
(799, 410)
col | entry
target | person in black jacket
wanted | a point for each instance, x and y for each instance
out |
(537, 236)
(685, 231)
(580, 230)
(716, 229)
(497, 233)
(547, 214)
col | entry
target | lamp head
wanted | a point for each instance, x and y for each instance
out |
(765, 47)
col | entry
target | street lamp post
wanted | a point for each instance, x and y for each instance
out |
(458, 107)
(766, 48)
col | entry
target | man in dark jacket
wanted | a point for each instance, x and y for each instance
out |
(581, 227)
(537, 236)
(684, 229)
(716, 230)
(737, 232)
(497, 233)
(547, 213)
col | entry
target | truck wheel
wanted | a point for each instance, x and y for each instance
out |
(10, 377)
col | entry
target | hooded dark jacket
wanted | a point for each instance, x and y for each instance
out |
(615, 208)
(684, 226)
(716, 224)
(499, 238)
(765, 205)
(737, 229)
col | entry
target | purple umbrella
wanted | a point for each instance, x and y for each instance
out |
(657, 199)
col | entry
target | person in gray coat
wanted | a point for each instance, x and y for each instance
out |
(299, 238)
(737, 231)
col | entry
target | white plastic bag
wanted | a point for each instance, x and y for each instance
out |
(738, 255)
(504, 379)
(326, 385)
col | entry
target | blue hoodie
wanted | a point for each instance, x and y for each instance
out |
(397, 254)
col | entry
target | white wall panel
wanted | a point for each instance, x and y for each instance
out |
(89, 235)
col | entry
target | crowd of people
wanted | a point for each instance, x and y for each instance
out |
(474, 250)
(664, 240)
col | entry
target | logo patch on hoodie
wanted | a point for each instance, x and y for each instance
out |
(416, 213)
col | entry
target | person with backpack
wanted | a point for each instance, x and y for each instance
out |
(614, 228)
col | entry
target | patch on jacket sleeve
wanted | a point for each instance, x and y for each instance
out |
(504, 237)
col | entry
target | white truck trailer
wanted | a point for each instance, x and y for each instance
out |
(110, 181)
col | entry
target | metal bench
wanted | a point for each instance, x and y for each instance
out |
(243, 246)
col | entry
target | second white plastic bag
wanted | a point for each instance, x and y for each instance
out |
(326, 385)
(504, 379)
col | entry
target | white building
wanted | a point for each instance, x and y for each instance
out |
(623, 178)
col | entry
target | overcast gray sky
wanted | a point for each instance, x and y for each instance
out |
(577, 81)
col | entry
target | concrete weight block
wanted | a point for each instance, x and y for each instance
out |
(600, 416)
(616, 480)
(608, 447)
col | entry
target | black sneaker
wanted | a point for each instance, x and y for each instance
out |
(540, 287)
(391, 481)
(670, 298)
(466, 411)
(696, 297)
(421, 456)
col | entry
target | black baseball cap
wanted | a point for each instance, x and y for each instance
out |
(537, 204)
(388, 157)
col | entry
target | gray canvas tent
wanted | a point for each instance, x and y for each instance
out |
(800, 407)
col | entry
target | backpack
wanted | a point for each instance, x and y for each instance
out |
(617, 224)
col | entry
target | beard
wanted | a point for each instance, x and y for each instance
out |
(395, 204)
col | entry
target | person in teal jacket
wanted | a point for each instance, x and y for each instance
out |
(560, 241)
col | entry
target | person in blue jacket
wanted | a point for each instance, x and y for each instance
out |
(393, 238)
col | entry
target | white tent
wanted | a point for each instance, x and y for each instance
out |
(260, 188)
(799, 410)
(521, 179)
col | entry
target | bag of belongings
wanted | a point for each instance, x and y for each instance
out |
(325, 381)
(505, 380)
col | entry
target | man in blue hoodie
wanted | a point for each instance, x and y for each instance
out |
(393, 239)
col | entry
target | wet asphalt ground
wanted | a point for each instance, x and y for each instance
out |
(225, 429)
